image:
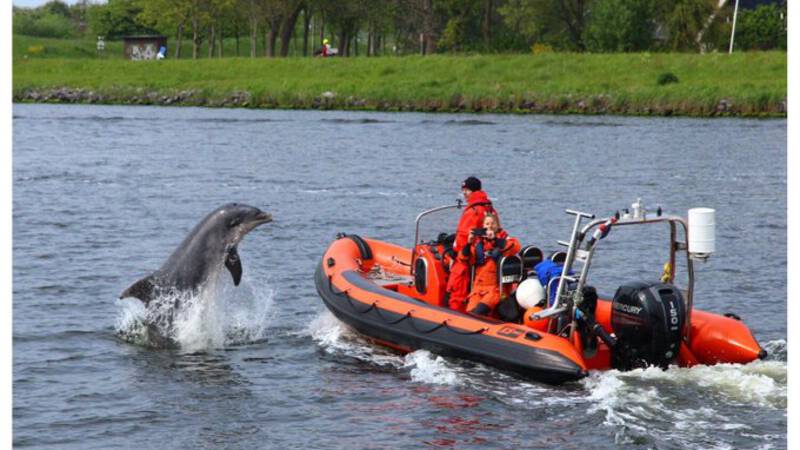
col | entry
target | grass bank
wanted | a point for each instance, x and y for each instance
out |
(742, 84)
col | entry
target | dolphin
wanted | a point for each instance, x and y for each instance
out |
(212, 243)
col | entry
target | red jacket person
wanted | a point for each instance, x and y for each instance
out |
(478, 205)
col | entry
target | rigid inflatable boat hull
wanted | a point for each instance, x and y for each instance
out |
(404, 332)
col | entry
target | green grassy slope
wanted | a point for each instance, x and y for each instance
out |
(747, 84)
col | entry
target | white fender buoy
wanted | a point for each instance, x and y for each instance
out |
(529, 293)
(701, 231)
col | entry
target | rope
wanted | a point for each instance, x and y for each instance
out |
(391, 322)
(464, 333)
(379, 313)
(352, 305)
(398, 261)
(435, 327)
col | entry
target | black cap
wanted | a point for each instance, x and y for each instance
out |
(471, 183)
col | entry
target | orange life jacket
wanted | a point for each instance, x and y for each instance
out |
(478, 205)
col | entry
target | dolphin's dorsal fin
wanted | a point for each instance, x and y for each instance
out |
(142, 289)
(234, 265)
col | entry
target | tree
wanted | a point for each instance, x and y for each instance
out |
(116, 19)
(56, 7)
(621, 26)
(343, 18)
(523, 19)
(197, 16)
(166, 16)
(273, 12)
(763, 28)
(291, 13)
(78, 13)
(462, 30)
(560, 23)
(685, 19)
(253, 11)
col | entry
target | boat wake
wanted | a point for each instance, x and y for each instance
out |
(336, 338)
(219, 315)
(674, 407)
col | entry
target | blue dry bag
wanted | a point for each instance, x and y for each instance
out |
(546, 271)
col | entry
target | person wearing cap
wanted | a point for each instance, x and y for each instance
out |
(478, 205)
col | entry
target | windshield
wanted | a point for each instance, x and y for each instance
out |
(433, 222)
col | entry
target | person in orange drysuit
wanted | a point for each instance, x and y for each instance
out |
(478, 205)
(484, 252)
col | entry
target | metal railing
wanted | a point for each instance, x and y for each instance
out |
(419, 218)
(570, 299)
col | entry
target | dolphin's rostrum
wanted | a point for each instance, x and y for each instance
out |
(212, 242)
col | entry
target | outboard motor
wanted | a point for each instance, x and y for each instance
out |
(648, 320)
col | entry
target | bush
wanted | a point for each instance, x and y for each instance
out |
(667, 78)
(763, 28)
(453, 35)
(36, 49)
(43, 25)
(539, 48)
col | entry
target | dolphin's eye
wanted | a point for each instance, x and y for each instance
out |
(234, 222)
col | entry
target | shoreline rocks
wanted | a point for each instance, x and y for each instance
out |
(591, 105)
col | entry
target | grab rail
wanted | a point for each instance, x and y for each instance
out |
(458, 205)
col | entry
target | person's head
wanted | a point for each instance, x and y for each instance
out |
(470, 185)
(491, 222)
(324, 42)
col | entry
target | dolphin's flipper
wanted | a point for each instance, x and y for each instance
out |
(142, 289)
(234, 265)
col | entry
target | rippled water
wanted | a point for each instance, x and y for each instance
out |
(102, 195)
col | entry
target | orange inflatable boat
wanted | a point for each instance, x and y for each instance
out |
(395, 296)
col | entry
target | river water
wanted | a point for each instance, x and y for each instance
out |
(103, 194)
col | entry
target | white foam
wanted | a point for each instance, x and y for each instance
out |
(130, 321)
(609, 392)
(336, 338)
(425, 367)
(326, 329)
(641, 396)
(760, 383)
(217, 316)
(199, 322)
(248, 310)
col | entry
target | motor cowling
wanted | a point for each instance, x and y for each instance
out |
(648, 320)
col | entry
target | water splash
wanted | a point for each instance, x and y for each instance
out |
(336, 338)
(776, 350)
(425, 367)
(217, 316)
(130, 325)
(629, 400)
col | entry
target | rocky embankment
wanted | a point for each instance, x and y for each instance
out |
(601, 104)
